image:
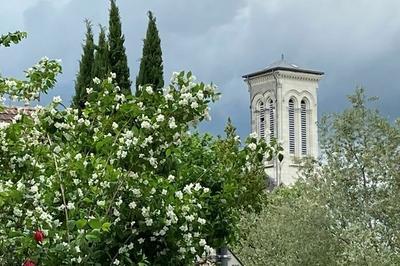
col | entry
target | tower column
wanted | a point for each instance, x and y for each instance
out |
(282, 82)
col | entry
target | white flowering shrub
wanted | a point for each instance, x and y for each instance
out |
(121, 182)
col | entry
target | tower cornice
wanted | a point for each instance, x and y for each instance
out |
(263, 78)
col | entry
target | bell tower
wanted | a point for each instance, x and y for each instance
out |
(283, 105)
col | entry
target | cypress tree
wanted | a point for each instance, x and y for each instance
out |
(84, 76)
(117, 56)
(151, 64)
(101, 66)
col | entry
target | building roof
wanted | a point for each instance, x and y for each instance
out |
(282, 65)
(8, 114)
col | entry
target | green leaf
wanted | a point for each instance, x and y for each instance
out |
(87, 200)
(95, 224)
(91, 237)
(106, 227)
(81, 223)
(71, 224)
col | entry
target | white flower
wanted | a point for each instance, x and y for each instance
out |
(179, 194)
(57, 149)
(17, 212)
(188, 188)
(200, 95)
(182, 250)
(253, 135)
(145, 124)
(149, 89)
(153, 162)
(202, 242)
(17, 117)
(96, 80)
(145, 211)
(189, 218)
(183, 228)
(160, 118)
(113, 75)
(116, 262)
(109, 80)
(114, 125)
(207, 115)
(101, 203)
(197, 187)
(171, 178)
(252, 146)
(183, 102)
(193, 250)
(34, 189)
(89, 90)
(169, 97)
(78, 156)
(57, 99)
(149, 221)
(141, 240)
(136, 192)
(201, 220)
(194, 105)
(172, 124)
(174, 77)
(132, 205)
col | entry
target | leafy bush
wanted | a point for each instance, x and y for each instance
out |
(121, 181)
(345, 209)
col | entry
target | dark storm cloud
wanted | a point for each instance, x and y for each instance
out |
(353, 42)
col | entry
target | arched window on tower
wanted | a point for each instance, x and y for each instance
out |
(271, 118)
(261, 120)
(304, 127)
(291, 127)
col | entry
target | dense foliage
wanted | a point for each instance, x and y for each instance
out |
(122, 182)
(151, 64)
(117, 56)
(345, 209)
(84, 78)
(101, 67)
(7, 39)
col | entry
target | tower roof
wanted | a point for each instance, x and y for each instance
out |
(282, 65)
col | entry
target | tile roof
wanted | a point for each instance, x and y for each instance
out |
(282, 65)
(7, 115)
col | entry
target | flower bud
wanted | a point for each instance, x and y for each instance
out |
(39, 236)
(28, 262)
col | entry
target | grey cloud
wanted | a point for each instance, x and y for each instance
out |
(354, 42)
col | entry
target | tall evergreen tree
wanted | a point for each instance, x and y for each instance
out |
(101, 66)
(84, 76)
(151, 64)
(117, 55)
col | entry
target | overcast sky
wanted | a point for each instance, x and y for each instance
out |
(354, 42)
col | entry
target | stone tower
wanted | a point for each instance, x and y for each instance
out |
(283, 105)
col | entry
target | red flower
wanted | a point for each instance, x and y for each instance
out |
(28, 262)
(39, 236)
